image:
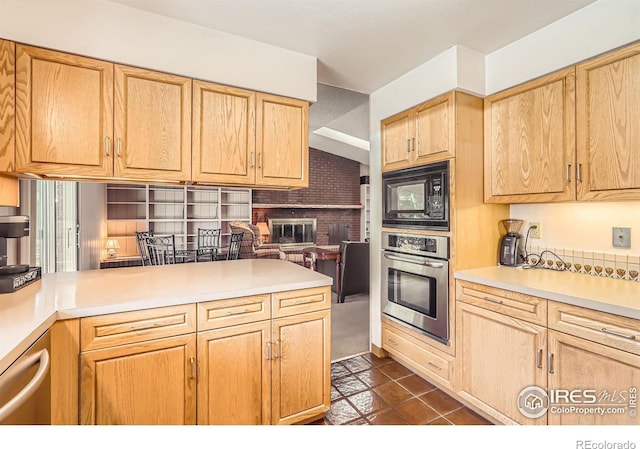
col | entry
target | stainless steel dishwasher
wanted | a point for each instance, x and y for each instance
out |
(25, 387)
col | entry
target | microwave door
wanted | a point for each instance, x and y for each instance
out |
(406, 199)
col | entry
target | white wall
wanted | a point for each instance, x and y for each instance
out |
(595, 29)
(126, 35)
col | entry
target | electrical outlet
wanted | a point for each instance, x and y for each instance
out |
(621, 237)
(535, 233)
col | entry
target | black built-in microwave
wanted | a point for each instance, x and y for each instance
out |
(417, 197)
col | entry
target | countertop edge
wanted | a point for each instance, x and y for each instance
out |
(552, 296)
(8, 359)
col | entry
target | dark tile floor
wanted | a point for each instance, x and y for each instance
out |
(369, 390)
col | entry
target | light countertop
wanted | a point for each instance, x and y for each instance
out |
(615, 296)
(27, 313)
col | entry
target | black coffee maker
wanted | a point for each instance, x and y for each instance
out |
(511, 246)
(14, 277)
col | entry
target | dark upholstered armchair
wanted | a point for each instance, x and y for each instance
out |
(354, 272)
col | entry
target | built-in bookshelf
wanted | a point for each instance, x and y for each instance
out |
(177, 210)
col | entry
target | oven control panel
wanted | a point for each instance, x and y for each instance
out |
(424, 245)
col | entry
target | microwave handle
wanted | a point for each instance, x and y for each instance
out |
(402, 259)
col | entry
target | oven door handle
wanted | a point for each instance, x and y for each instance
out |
(427, 263)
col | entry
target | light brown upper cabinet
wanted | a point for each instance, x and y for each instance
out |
(152, 116)
(282, 141)
(64, 111)
(223, 134)
(608, 126)
(9, 195)
(420, 135)
(530, 141)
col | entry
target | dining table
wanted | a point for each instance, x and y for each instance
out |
(316, 253)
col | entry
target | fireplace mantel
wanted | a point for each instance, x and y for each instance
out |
(307, 206)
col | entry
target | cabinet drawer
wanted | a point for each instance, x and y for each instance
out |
(601, 327)
(132, 327)
(416, 353)
(516, 305)
(301, 301)
(229, 312)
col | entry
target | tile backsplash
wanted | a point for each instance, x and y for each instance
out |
(595, 263)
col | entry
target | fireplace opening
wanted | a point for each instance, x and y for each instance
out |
(293, 231)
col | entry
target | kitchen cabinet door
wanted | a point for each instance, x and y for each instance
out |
(64, 112)
(301, 368)
(152, 116)
(7, 105)
(153, 382)
(497, 357)
(396, 134)
(435, 127)
(223, 134)
(282, 141)
(234, 375)
(608, 126)
(578, 364)
(530, 141)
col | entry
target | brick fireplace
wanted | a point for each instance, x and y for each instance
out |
(333, 196)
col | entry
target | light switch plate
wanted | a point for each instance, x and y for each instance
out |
(622, 237)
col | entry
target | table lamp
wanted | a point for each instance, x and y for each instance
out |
(111, 247)
(264, 231)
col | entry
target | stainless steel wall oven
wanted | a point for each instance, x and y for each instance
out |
(415, 282)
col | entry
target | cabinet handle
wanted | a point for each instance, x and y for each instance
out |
(239, 312)
(392, 342)
(192, 363)
(435, 366)
(568, 175)
(253, 159)
(268, 350)
(618, 334)
(550, 362)
(277, 349)
(260, 160)
(408, 145)
(579, 173)
(413, 144)
(106, 145)
(118, 147)
(539, 363)
(495, 301)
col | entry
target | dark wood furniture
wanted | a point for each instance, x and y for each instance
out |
(316, 253)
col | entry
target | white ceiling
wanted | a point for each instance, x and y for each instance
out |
(361, 45)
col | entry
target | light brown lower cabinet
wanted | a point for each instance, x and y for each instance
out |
(497, 357)
(581, 365)
(152, 382)
(269, 372)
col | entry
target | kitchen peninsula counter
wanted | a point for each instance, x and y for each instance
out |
(27, 313)
(617, 296)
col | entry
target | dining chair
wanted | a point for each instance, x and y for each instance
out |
(208, 244)
(234, 245)
(161, 249)
(142, 246)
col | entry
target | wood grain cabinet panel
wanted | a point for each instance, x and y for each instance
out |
(579, 364)
(230, 312)
(7, 105)
(64, 109)
(300, 301)
(530, 141)
(423, 134)
(301, 370)
(608, 126)
(152, 115)
(282, 141)
(234, 375)
(140, 384)
(497, 357)
(223, 134)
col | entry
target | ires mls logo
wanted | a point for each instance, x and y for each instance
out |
(533, 402)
